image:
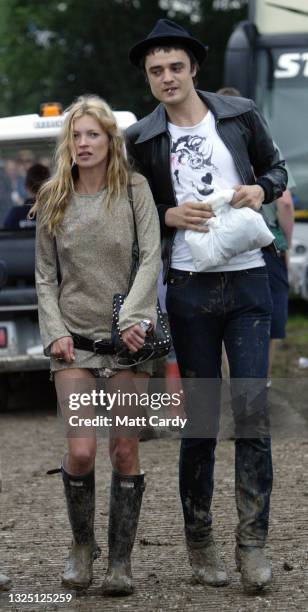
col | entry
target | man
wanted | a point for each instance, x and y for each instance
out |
(192, 145)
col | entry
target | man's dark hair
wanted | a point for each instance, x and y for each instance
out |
(35, 176)
(168, 47)
(229, 91)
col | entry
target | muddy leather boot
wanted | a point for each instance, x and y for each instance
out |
(207, 567)
(5, 583)
(256, 572)
(125, 503)
(80, 499)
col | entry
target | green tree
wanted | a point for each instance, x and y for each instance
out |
(59, 49)
(217, 20)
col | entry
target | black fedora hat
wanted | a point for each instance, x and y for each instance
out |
(166, 32)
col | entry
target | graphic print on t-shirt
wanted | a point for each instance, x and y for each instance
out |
(191, 162)
(201, 165)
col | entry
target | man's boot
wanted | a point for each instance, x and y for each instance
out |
(196, 488)
(207, 567)
(253, 486)
(80, 499)
(256, 572)
(125, 503)
(5, 583)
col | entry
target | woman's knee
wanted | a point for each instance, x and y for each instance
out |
(124, 455)
(81, 456)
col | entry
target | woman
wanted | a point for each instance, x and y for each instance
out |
(85, 222)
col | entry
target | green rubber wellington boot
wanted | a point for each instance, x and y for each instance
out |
(80, 499)
(125, 503)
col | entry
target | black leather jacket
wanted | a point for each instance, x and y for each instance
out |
(243, 131)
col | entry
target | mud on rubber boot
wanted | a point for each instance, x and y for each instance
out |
(125, 503)
(5, 583)
(255, 568)
(78, 572)
(207, 567)
(80, 499)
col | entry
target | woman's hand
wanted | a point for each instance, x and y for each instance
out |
(134, 337)
(63, 349)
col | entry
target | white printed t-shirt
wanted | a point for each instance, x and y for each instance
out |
(202, 165)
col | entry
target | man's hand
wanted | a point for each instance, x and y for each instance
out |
(190, 215)
(248, 195)
(133, 337)
(63, 349)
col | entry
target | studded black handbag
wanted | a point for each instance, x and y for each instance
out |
(157, 343)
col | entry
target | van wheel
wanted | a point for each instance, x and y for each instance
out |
(4, 392)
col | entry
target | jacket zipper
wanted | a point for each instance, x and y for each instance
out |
(176, 203)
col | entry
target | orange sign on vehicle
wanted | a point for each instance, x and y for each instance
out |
(50, 109)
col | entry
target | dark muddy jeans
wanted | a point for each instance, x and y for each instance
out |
(204, 310)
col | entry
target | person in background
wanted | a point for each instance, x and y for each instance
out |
(12, 172)
(16, 217)
(25, 159)
(6, 200)
(193, 144)
(279, 216)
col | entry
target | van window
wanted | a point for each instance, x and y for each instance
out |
(15, 161)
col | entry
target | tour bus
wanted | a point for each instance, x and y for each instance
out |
(267, 60)
(24, 141)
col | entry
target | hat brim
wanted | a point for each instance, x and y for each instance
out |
(137, 52)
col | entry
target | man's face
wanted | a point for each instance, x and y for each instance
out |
(170, 75)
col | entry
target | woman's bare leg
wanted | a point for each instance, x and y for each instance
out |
(79, 481)
(127, 486)
(80, 458)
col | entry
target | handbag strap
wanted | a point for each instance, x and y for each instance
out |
(135, 247)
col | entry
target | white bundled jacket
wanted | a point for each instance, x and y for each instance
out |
(231, 232)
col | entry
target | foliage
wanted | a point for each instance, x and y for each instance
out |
(61, 49)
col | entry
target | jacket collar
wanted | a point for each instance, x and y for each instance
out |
(222, 107)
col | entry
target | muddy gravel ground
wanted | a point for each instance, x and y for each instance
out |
(34, 532)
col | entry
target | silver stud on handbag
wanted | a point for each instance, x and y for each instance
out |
(157, 343)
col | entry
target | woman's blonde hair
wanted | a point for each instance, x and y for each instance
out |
(54, 195)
